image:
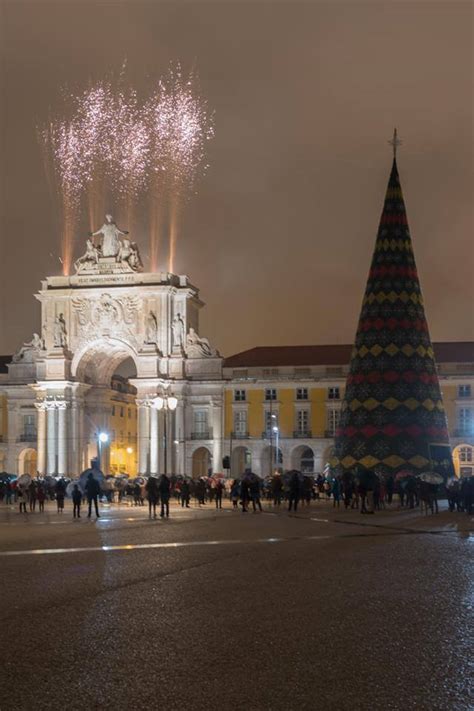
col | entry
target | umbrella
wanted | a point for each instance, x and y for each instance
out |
(431, 478)
(108, 484)
(452, 481)
(24, 480)
(96, 473)
(7, 477)
(139, 480)
(403, 475)
(70, 487)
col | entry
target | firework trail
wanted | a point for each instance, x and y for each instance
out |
(111, 147)
(179, 125)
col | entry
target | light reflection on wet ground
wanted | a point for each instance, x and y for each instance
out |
(321, 610)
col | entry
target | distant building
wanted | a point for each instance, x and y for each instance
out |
(297, 389)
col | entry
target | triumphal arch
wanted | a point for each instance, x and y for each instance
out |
(110, 314)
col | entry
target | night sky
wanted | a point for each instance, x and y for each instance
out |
(280, 234)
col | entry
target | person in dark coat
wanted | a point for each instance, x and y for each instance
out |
(164, 490)
(60, 494)
(41, 497)
(244, 494)
(185, 493)
(152, 494)
(92, 493)
(201, 491)
(76, 501)
(277, 489)
(390, 488)
(294, 492)
(218, 492)
(254, 491)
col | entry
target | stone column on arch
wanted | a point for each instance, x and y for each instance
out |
(181, 438)
(41, 438)
(61, 437)
(153, 440)
(217, 436)
(143, 435)
(51, 437)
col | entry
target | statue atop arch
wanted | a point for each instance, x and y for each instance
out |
(112, 254)
(110, 237)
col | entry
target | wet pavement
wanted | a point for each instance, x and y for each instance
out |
(325, 609)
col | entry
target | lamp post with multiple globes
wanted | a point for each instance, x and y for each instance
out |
(167, 403)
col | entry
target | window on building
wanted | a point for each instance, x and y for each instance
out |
(29, 426)
(270, 372)
(465, 455)
(112, 435)
(302, 421)
(464, 391)
(201, 422)
(334, 393)
(240, 422)
(301, 393)
(270, 394)
(307, 461)
(129, 435)
(129, 412)
(121, 436)
(333, 417)
(465, 420)
(113, 410)
(122, 411)
(271, 421)
(240, 395)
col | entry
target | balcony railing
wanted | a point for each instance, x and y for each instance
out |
(464, 432)
(240, 435)
(203, 434)
(302, 434)
(27, 437)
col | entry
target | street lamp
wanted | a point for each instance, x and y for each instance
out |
(103, 438)
(277, 452)
(166, 403)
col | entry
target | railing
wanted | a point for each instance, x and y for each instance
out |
(464, 432)
(302, 434)
(240, 435)
(205, 434)
(27, 437)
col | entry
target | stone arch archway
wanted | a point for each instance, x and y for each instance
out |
(463, 459)
(27, 462)
(95, 362)
(201, 462)
(241, 460)
(302, 459)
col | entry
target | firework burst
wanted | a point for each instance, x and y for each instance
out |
(112, 145)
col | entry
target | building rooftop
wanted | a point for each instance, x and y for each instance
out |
(273, 356)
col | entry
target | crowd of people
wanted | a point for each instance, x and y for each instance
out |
(360, 490)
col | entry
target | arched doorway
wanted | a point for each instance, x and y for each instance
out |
(271, 459)
(27, 462)
(241, 460)
(201, 462)
(302, 459)
(463, 458)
